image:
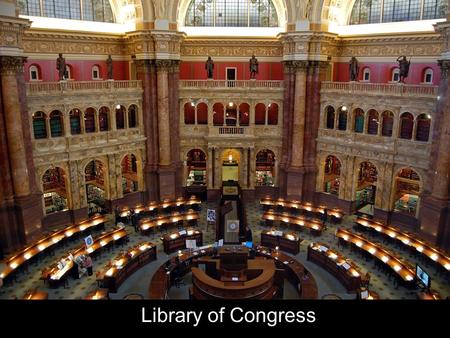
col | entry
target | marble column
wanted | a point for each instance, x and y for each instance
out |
(434, 209)
(163, 111)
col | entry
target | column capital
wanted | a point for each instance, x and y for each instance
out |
(163, 65)
(300, 65)
(175, 67)
(445, 67)
(12, 64)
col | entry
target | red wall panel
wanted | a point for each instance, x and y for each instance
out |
(81, 69)
(195, 70)
(382, 72)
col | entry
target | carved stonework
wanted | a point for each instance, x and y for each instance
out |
(12, 64)
(300, 65)
(163, 65)
(11, 32)
(445, 68)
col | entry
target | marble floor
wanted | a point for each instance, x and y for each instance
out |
(138, 283)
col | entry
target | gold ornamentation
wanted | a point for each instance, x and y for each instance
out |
(12, 64)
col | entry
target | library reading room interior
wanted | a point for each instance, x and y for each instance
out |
(224, 149)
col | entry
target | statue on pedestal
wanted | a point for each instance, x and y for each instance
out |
(209, 66)
(61, 67)
(403, 65)
(253, 67)
(109, 65)
(354, 69)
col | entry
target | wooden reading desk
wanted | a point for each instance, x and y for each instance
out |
(285, 241)
(316, 227)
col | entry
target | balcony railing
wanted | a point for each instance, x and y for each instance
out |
(70, 86)
(392, 89)
(231, 131)
(230, 84)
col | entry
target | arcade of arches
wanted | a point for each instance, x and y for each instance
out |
(151, 124)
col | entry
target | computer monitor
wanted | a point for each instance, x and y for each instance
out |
(249, 245)
(364, 294)
(423, 277)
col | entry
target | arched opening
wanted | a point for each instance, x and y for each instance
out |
(423, 127)
(103, 119)
(35, 73)
(189, 113)
(260, 114)
(89, 120)
(342, 118)
(39, 125)
(359, 120)
(132, 116)
(54, 189)
(366, 188)
(406, 126)
(218, 114)
(202, 113)
(56, 124)
(120, 117)
(366, 74)
(407, 191)
(387, 123)
(129, 174)
(372, 123)
(272, 114)
(332, 173)
(329, 117)
(95, 186)
(244, 114)
(428, 76)
(196, 168)
(95, 72)
(231, 114)
(265, 168)
(75, 121)
(230, 165)
(395, 75)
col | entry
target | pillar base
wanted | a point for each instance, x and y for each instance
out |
(332, 201)
(151, 184)
(294, 183)
(213, 195)
(435, 220)
(167, 183)
(309, 183)
(29, 216)
(10, 238)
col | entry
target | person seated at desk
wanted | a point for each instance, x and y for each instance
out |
(248, 234)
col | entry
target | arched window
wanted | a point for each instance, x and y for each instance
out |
(272, 114)
(265, 168)
(95, 72)
(189, 113)
(54, 189)
(93, 10)
(372, 123)
(129, 174)
(330, 117)
(202, 113)
(132, 116)
(332, 175)
(39, 126)
(35, 73)
(260, 114)
(366, 74)
(56, 123)
(103, 119)
(89, 120)
(407, 191)
(196, 167)
(218, 114)
(428, 76)
(342, 118)
(231, 13)
(377, 11)
(387, 123)
(231, 114)
(423, 127)
(395, 75)
(75, 122)
(244, 114)
(406, 126)
(120, 117)
(359, 120)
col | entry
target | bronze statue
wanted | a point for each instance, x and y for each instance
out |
(209, 66)
(109, 64)
(354, 69)
(403, 65)
(253, 67)
(61, 67)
